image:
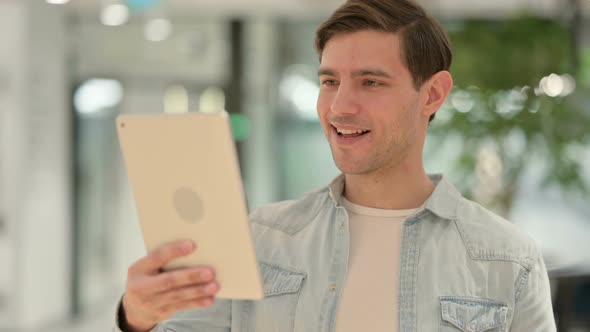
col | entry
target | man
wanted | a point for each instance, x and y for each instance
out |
(385, 247)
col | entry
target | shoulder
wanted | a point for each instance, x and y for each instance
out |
(488, 236)
(291, 216)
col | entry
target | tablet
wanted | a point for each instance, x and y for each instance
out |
(185, 178)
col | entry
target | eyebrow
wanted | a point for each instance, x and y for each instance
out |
(356, 73)
(326, 72)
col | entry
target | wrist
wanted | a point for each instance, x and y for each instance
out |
(128, 324)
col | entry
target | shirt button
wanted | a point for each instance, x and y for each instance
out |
(342, 226)
(472, 326)
(333, 287)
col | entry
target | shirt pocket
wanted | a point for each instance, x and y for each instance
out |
(472, 314)
(276, 312)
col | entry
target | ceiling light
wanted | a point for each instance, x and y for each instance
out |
(114, 14)
(158, 29)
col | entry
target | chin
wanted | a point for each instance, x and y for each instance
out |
(352, 168)
(349, 164)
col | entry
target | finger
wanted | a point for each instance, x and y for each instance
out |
(167, 281)
(185, 294)
(158, 258)
(170, 309)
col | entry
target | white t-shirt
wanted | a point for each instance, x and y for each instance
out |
(369, 298)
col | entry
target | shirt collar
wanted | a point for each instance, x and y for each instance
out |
(443, 201)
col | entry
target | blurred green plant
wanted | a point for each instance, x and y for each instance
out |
(498, 102)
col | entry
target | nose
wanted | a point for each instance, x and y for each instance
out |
(345, 101)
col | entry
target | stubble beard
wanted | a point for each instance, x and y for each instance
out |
(377, 161)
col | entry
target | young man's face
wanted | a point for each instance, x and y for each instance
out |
(367, 94)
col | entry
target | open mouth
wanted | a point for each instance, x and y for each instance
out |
(350, 133)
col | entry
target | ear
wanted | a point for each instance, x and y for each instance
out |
(438, 88)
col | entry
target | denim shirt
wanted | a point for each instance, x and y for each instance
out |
(462, 268)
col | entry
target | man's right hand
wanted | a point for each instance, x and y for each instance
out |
(152, 296)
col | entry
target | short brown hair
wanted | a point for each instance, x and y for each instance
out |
(426, 48)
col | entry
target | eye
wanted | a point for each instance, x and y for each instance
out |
(371, 83)
(329, 82)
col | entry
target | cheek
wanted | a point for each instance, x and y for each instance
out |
(380, 100)
(382, 108)
(323, 105)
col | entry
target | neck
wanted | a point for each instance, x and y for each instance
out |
(397, 188)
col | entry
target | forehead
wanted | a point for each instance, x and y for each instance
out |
(364, 48)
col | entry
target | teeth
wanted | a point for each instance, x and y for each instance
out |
(349, 132)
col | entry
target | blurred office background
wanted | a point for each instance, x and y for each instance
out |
(514, 135)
